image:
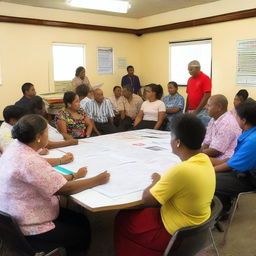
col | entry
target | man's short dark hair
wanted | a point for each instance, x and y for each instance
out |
(158, 89)
(243, 95)
(82, 90)
(36, 102)
(128, 87)
(25, 87)
(247, 111)
(174, 84)
(130, 66)
(189, 130)
(115, 87)
(14, 112)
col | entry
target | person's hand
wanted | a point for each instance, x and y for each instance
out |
(72, 142)
(80, 173)
(102, 178)
(43, 151)
(67, 158)
(155, 177)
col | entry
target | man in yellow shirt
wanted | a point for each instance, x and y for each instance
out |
(181, 197)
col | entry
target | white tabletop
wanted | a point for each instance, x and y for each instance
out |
(130, 157)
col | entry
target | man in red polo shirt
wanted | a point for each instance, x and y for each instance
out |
(199, 91)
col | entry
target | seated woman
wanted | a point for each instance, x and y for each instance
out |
(56, 139)
(174, 103)
(152, 112)
(29, 187)
(179, 198)
(73, 120)
(241, 97)
(235, 175)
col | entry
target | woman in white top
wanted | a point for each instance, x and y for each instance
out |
(80, 78)
(152, 112)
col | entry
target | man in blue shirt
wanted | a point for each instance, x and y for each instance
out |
(131, 79)
(233, 175)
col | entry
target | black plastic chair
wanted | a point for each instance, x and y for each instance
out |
(191, 240)
(13, 242)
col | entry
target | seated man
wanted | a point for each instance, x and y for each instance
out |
(129, 108)
(115, 101)
(101, 113)
(11, 116)
(116, 98)
(28, 91)
(233, 175)
(240, 97)
(82, 91)
(222, 131)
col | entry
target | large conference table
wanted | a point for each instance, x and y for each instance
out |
(130, 158)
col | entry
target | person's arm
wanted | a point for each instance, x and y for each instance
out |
(76, 186)
(62, 128)
(67, 158)
(111, 120)
(161, 116)
(186, 108)
(138, 118)
(202, 103)
(76, 175)
(211, 152)
(94, 127)
(172, 110)
(222, 168)
(89, 127)
(122, 114)
(204, 146)
(216, 161)
(147, 198)
(60, 144)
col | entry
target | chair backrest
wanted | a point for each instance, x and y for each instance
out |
(190, 240)
(12, 241)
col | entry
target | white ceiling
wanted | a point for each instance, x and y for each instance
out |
(139, 8)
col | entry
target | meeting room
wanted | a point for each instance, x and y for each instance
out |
(127, 127)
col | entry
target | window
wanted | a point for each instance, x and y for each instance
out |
(181, 53)
(66, 58)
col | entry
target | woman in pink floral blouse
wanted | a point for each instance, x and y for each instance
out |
(29, 187)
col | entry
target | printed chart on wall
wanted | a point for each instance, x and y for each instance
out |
(246, 60)
(0, 73)
(105, 60)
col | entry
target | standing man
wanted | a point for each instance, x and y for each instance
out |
(131, 79)
(28, 91)
(199, 91)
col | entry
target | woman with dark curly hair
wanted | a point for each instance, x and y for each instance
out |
(152, 112)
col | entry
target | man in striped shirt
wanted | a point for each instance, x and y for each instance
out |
(101, 113)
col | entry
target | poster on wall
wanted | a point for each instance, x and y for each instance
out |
(121, 62)
(105, 60)
(0, 73)
(246, 62)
